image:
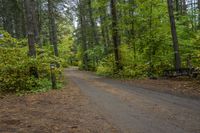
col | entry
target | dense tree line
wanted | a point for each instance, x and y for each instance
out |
(127, 38)
(135, 37)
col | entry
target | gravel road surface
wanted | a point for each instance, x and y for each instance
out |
(136, 110)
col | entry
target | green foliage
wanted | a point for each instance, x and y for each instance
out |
(67, 52)
(106, 66)
(15, 67)
(146, 48)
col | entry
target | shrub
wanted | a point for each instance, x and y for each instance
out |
(106, 66)
(15, 67)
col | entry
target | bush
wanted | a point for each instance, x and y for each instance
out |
(106, 66)
(15, 67)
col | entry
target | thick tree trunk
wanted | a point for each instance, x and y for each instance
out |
(30, 9)
(52, 26)
(115, 35)
(29, 4)
(174, 35)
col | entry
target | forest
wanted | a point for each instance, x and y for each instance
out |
(116, 38)
(99, 66)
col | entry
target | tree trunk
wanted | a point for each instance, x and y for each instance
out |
(184, 7)
(23, 20)
(38, 23)
(103, 35)
(177, 6)
(115, 35)
(93, 24)
(198, 14)
(84, 44)
(174, 35)
(95, 38)
(35, 21)
(29, 5)
(83, 34)
(52, 26)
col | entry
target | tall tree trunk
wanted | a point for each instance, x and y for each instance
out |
(93, 24)
(23, 20)
(115, 35)
(38, 23)
(132, 30)
(103, 35)
(84, 44)
(35, 21)
(105, 30)
(177, 6)
(30, 9)
(95, 38)
(17, 22)
(8, 16)
(30, 26)
(184, 7)
(52, 26)
(83, 35)
(174, 35)
(198, 14)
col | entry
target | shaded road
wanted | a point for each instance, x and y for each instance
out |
(138, 110)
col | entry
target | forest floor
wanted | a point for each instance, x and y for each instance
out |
(93, 104)
(56, 111)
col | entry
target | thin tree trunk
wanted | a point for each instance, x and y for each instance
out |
(115, 35)
(83, 34)
(52, 26)
(103, 35)
(95, 38)
(93, 24)
(198, 14)
(184, 7)
(84, 44)
(23, 20)
(38, 24)
(174, 35)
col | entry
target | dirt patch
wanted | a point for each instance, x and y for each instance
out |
(57, 111)
(178, 86)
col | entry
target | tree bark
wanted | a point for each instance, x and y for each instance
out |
(174, 35)
(198, 14)
(115, 35)
(93, 24)
(184, 7)
(52, 26)
(29, 5)
(83, 34)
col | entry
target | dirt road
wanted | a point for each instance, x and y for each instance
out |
(138, 110)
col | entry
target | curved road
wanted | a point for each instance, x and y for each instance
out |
(137, 110)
